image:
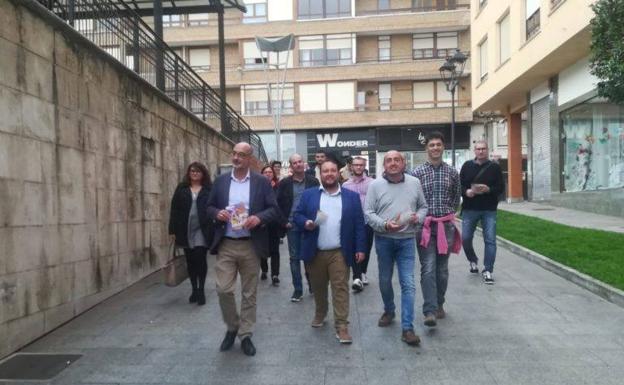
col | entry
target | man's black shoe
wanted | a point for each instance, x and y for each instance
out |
(228, 341)
(248, 347)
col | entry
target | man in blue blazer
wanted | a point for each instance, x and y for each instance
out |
(242, 203)
(333, 240)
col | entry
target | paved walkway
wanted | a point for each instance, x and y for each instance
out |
(566, 216)
(532, 327)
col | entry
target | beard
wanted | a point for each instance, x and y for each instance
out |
(330, 185)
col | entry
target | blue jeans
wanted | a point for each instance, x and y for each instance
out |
(401, 251)
(434, 271)
(294, 250)
(488, 224)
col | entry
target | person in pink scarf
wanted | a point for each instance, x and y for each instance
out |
(438, 236)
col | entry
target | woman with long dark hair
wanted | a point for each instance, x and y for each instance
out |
(274, 236)
(190, 226)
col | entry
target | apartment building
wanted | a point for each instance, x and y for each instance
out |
(531, 60)
(363, 77)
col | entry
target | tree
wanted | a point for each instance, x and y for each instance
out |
(607, 48)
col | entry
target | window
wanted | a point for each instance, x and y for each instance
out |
(172, 21)
(446, 44)
(422, 5)
(327, 97)
(383, 46)
(423, 94)
(504, 50)
(256, 99)
(532, 17)
(321, 9)
(483, 56)
(252, 56)
(321, 50)
(593, 146)
(385, 96)
(199, 58)
(256, 12)
(383, 5)
(311, 51)
(443, 97)
(422, 45)
(197, 19)
(434, 45)
(287, 146)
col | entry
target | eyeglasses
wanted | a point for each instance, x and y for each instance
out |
(240, 154)
(193, 171)
(481, 149)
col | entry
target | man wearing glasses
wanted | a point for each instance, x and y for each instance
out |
(481, 183)
(242, 203)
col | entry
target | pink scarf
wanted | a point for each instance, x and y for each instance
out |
(441, 238)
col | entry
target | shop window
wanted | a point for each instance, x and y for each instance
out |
(593, 146)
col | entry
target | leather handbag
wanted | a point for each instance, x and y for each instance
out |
(175, 271)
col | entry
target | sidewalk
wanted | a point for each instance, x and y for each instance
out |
(566, 216)
(532, 327)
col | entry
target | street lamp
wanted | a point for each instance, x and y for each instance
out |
(450, 72)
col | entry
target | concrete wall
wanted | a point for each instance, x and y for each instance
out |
(89, 157)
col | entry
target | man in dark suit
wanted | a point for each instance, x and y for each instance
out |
(333, 240)
(288, 196)
(243, 203)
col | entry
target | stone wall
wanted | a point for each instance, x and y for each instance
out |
(89, 157)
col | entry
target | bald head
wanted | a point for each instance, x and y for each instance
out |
(297, 165)
(394, 164)
(241, 157)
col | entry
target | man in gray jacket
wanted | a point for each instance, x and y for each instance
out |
(394, 205)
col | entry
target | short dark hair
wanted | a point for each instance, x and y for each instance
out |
(329, 160)
(205, 174)
(275, 162)
(434, 135)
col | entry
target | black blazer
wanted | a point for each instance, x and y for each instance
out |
(180, 208)
(285, 194)
(261, 204)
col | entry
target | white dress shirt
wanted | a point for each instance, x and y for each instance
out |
(239, 193)
(329, 230)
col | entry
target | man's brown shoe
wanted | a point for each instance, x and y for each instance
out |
(385, 320)
(430, 320)
(317, 322)
(410, 338)
(343, 335)
(440, 313)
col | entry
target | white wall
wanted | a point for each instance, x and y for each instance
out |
(280, 10)
(575, 81)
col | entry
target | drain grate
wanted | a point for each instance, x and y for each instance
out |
(29, 366)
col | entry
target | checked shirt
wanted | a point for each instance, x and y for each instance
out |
(441, 187)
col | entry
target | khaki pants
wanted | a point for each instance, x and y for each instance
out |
(329, 266)
(237, 257)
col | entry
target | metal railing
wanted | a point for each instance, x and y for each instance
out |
(422, 6)
(116, 28)
(533, 24)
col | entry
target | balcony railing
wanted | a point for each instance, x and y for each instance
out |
(533, 24)
(418, 6)
(116, 28)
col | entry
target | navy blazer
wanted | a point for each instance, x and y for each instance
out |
(261, 204)
(352, 234)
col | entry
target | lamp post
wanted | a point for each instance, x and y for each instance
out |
(450, 72)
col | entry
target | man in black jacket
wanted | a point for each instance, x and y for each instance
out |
(288, 195)
(242, 203)
(482, 183)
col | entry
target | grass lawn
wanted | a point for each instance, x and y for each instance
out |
(599, 254)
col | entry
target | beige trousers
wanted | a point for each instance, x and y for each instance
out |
(330, 267)
(236, 257)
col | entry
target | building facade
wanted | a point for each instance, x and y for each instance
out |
(531, 64)
(362, 78)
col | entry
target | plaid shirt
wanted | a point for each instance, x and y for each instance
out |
(441, 187)
(359, 185)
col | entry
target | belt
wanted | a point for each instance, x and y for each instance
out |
(238, 239)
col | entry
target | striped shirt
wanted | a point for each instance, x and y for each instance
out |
(441, 187)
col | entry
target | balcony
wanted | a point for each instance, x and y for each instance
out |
(398, 69)
(369, 115)
(206, 34)
(415, 7)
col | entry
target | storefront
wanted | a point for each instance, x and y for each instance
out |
(593, 148)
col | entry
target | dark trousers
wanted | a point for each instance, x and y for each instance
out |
(274, 253)
(197, 266)
(359, 268)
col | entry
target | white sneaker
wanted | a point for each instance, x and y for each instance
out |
(487, 278)
(474, 269)
(357, 286)
(364, 279)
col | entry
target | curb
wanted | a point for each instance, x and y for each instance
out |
(601, 289)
